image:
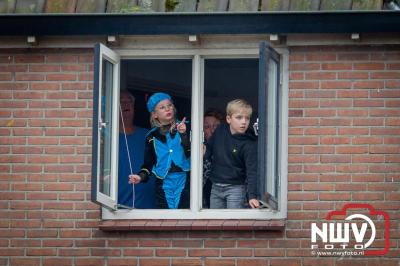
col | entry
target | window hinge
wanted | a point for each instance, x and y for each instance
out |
(102, 124)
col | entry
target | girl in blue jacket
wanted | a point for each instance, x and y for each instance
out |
(167, 154)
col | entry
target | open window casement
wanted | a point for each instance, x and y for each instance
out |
(268, 126)
(105, 127)
(271, 96)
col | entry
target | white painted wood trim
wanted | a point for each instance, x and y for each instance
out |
(198, 55)
(114, 58)
(284, 119)
(196, 152)
(207, 41)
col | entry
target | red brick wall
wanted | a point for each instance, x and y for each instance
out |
(344, 144)
(344, 135)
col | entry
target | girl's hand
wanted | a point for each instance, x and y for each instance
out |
(134, 179)
(254, 203)
(181, 127)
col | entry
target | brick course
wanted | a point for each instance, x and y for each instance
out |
(343, 146)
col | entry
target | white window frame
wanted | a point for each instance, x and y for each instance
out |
(108, 200)
(195, 212)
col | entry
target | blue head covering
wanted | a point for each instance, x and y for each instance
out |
(155, 99)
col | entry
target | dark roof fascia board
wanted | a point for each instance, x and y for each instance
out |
(199, 23)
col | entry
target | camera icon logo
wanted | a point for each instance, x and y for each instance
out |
(336, 235)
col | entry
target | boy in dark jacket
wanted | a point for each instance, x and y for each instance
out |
(233, 153)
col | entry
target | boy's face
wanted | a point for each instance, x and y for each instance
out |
(239, 121)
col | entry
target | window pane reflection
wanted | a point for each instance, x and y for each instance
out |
(105, 127)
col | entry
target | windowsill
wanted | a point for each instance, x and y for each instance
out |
(195, 225)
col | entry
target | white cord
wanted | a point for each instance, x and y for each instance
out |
(129, 155)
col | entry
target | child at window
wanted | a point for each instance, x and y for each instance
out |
(232, 150)
(167, 154)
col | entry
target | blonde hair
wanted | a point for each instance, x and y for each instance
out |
(234, 106)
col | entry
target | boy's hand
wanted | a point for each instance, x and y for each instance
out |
(181, 127)
(254, 203)
(134, 179)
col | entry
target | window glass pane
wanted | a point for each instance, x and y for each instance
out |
(143, 78)
(105, 127)
(272, 129)
(230, 173)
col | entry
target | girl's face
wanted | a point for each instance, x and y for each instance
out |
(164, 112)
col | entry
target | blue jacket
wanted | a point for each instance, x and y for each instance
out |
(165, 153)
(168, 152)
